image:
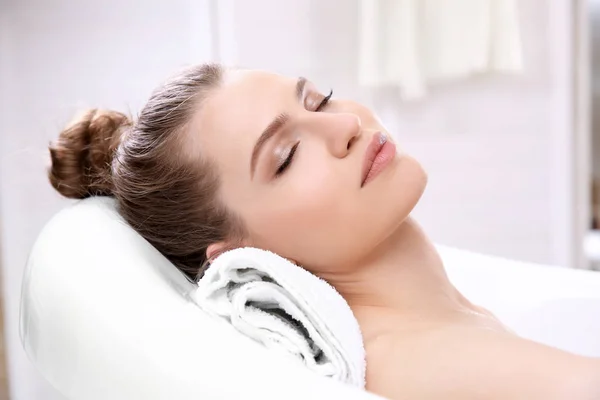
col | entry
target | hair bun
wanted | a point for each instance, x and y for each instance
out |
(83, 154)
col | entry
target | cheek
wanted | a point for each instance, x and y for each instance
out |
(302, 212)
(302, 201)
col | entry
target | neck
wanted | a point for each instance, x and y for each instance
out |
(403, 277)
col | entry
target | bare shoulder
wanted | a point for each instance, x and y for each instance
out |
(476, 364)
(584, 381)
(589, 387)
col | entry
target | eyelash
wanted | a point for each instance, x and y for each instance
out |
(324, 101)
(286, 163)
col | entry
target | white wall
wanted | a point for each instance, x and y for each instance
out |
(496, 148)
(56, 57)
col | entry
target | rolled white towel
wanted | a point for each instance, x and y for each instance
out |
(286, 308)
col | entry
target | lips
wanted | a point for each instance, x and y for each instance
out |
(378, 155)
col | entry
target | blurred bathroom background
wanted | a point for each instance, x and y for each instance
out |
(509, 136)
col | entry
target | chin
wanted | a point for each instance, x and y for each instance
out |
(408, 183)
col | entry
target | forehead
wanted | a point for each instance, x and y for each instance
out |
(236, 112)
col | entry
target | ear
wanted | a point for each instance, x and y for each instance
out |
(215, 249)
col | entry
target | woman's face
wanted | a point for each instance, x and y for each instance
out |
(292, 167)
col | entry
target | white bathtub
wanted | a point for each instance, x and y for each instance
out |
(553, 305)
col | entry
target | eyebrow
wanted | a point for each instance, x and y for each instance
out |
(273, 127)
(300, 87)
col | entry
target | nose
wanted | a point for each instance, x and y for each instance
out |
(339, 130)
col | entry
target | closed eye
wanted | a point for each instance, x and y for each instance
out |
(324, 102)
(286, 163)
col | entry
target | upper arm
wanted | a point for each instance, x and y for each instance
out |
(482, 366)
(530, 370)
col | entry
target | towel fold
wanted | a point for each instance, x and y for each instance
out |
(287, 309)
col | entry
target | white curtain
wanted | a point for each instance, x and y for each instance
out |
(411, 43)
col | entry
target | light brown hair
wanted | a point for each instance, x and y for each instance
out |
(167, 196)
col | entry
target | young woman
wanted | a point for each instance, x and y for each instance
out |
(220, 158)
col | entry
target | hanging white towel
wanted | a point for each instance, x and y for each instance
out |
(412, 43)
(287, 309)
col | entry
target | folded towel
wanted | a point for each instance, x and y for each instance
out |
(286, 308)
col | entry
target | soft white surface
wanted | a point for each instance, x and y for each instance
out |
(105, 316)
(287, 309)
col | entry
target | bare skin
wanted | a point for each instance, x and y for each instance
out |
(423, 338)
